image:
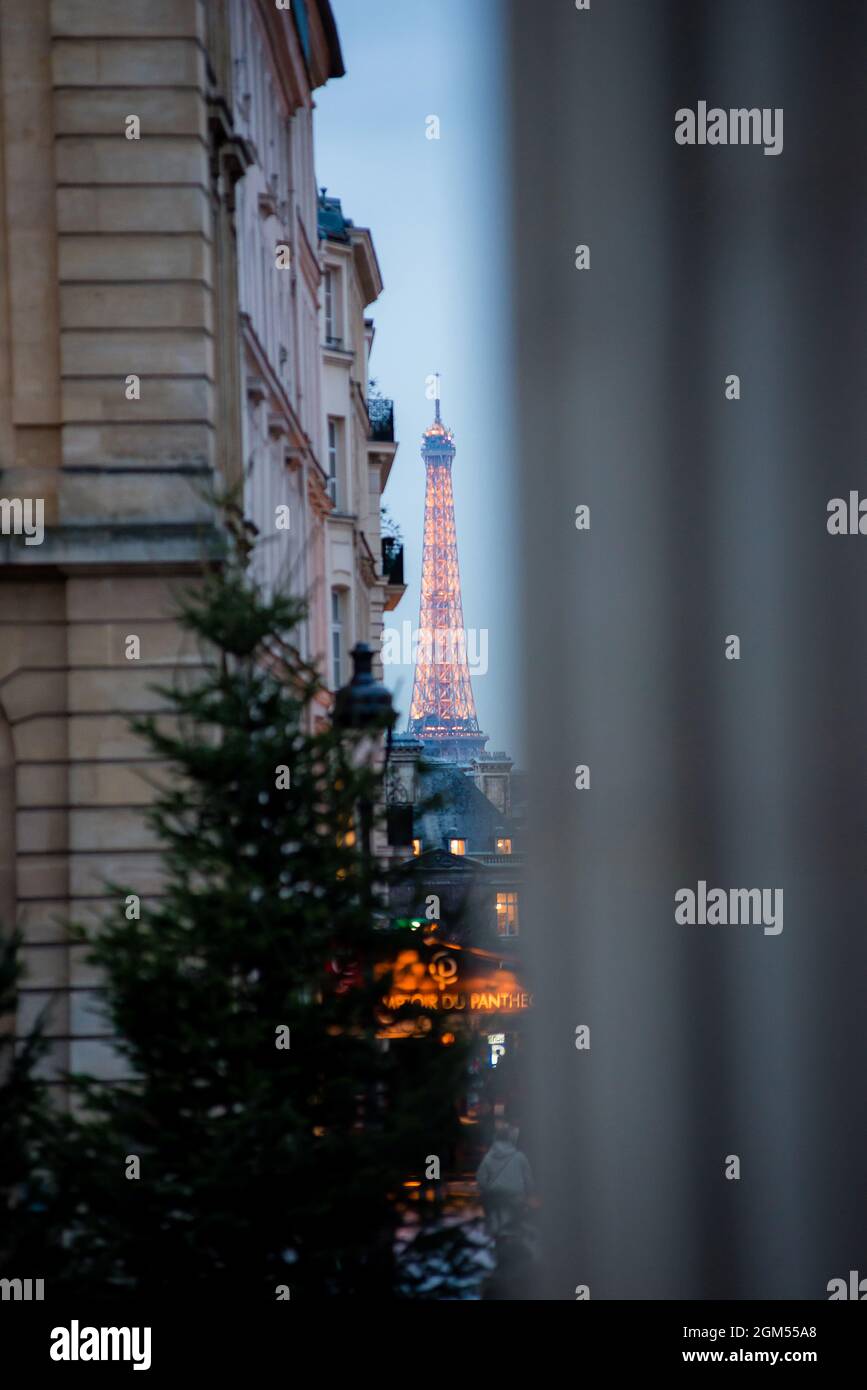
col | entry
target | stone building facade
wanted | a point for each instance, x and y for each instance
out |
(160, 289)
(362, 576)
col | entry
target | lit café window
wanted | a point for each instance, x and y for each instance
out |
(507, 914)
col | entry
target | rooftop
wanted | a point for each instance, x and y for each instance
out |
(463, 811)
(332, 222)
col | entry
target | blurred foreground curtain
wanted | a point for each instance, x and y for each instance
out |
(708, 519)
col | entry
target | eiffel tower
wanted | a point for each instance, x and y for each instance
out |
(443, 711)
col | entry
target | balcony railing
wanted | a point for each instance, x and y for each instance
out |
(505, 861)
(381, 413)
(392, 560)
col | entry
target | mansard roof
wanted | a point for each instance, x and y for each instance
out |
(464, 813)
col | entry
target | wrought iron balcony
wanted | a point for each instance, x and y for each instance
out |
(392, 559)
(381, 415)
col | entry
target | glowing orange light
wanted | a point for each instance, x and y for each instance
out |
(442, 695)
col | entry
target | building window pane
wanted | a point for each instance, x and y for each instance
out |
(336, 639)
(336, 445)
(504, 847)
(416, 847)
(329, 306)
(507, 914)
(332, 460)
(458, 846)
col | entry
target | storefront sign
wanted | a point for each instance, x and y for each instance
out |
(477, 1001)
(454, 981)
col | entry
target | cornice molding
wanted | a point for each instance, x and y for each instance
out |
(287, 59)
(307, 257)
(366, 264)
(264, 383)
(318, 496)
(326, 59)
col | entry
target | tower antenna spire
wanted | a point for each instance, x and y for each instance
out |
(437, 415)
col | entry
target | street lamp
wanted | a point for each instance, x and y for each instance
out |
(364, 705)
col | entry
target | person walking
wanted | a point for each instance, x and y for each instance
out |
(505, 1182)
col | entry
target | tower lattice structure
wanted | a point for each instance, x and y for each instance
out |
(443, 709)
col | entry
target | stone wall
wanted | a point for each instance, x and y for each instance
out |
(110, 268)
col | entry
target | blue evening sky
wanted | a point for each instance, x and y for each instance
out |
(438, 214)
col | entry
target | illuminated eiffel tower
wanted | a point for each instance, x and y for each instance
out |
(443, 710)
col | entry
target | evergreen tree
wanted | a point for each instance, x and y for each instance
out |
(24, 1116)
(263, 1132)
